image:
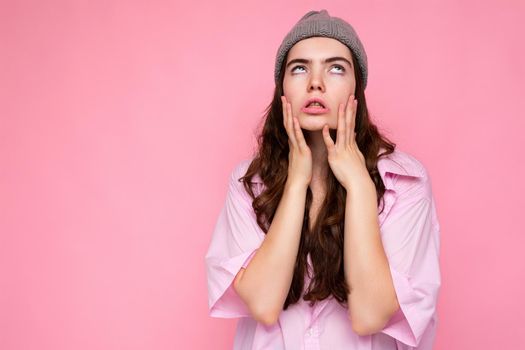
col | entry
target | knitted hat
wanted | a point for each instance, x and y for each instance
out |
(320, 23)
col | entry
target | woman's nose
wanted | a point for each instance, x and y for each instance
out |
(316, 83)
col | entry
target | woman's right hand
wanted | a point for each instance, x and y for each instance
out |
(300, 156)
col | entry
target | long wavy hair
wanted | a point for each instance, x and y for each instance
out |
(324, 241)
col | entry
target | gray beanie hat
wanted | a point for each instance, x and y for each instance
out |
(320, 23)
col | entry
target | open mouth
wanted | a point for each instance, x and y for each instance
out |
(315, 105)
(315, 108)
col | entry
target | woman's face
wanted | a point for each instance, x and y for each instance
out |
(307, 75)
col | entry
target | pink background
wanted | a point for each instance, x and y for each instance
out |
(121, 121)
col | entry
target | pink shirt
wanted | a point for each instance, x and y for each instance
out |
(410, 235)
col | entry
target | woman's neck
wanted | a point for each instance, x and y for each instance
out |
(315, 141)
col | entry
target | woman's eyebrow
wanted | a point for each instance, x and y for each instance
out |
(328, 60)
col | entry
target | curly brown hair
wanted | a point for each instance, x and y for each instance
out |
(324, 241)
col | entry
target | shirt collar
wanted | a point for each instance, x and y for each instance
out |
(398, 162)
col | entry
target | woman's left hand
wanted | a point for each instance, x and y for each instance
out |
(344, 157)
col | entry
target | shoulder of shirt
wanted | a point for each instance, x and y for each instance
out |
(239, 170)
(410, 177)
(401, 163)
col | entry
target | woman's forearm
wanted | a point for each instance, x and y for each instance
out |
(372, 299)
(266, 281)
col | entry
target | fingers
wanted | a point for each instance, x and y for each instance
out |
(348, 119)
(341, 128)
(295, 134)
(296, 128)
(288, 122)
(291, 124)
(327, 139)
(354, 114)
(299, 134)
(351, 112)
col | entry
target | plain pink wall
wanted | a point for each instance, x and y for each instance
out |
(121, 121)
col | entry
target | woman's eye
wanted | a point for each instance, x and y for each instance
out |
(340, 67)
(294, 68)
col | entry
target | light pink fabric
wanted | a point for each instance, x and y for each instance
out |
(410, 234)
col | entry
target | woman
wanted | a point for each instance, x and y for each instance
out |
(329, 237)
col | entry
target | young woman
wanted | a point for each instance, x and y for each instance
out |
(329, 237)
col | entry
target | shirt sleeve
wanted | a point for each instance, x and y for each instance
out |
(410, 237)
(234, 241)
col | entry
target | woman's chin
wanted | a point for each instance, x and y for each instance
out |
(313, 124)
